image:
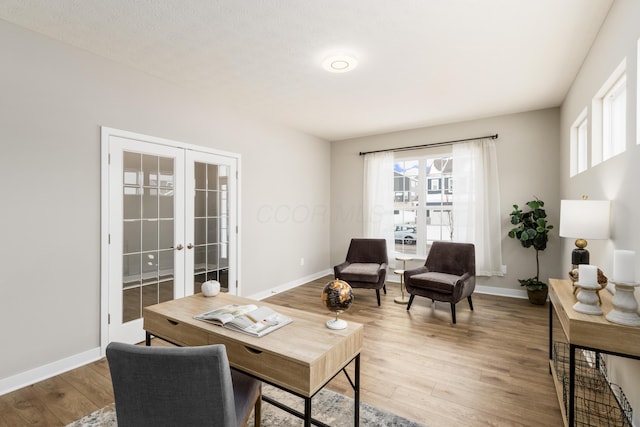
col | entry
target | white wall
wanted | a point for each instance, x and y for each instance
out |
(615, 179)
(54, 98)
(527, 150)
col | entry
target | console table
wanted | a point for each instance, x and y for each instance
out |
(301, 358)
(579, 331)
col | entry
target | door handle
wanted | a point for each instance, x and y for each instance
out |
(179, 247)
(189, 246)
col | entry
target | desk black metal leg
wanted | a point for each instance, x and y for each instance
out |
(356, 393)
(572, 383)
(307, 412)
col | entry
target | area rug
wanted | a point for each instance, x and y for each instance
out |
(331, 408)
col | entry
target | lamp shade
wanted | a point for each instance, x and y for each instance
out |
(584, 219)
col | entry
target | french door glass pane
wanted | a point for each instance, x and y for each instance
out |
(148, 232)
(165, 234)
(210, 224)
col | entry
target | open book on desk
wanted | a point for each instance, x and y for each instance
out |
(249, 319)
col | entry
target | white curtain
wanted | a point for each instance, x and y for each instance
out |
(377, 207)
(476, 203)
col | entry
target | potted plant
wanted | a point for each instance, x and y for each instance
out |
(532, 231)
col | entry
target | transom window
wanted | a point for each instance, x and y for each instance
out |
(614, 119)
(579, 144)
(609, 114)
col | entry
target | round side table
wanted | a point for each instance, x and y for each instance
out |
(402, 299)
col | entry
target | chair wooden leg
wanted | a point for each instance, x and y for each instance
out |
(470, 303)
(384, 288)
(257, 412)
(378, 296)
(453, 313)
(410, 302)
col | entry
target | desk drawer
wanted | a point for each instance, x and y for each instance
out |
(272, 367)
(174, 331)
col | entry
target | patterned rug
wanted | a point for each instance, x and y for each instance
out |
(331, 408)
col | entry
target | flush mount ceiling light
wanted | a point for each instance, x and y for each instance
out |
(340, 63)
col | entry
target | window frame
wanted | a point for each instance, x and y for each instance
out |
(608, 129)
(614, 119)
(579, 144)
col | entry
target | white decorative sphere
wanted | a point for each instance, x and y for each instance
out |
(211, 288)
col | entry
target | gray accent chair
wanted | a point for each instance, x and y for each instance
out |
(180, 386)
(365, 266)
(449, 275)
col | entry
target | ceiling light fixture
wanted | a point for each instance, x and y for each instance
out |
(340, 63)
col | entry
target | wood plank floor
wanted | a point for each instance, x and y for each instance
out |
(490, 369)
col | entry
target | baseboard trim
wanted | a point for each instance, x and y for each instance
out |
(290, 285)
(49, 370)
(501, 292)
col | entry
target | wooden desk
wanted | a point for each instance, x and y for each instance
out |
(584, 331)
(300, 358)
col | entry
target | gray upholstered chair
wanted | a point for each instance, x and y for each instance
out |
(365, 265)
(180, 386)
(449, 275)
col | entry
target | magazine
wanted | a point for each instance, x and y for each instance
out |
(249, 319)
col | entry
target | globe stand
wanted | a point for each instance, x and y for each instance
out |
(336, 323)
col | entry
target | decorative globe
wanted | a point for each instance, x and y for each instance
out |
(337, 296)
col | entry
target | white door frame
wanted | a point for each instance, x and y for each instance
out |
(106, 133)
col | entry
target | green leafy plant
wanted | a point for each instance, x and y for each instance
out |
(532, 231)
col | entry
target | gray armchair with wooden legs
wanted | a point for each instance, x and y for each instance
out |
(449, 275)
(365, 266)
(180, 386)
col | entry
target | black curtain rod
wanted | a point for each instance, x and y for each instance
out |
(433, 144)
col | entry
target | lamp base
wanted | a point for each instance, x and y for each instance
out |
(579, 256)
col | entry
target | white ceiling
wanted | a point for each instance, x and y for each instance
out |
(421, 62)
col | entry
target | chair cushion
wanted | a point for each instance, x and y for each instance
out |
(361, 272)
(439, 282)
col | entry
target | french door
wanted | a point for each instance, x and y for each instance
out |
(171, 226)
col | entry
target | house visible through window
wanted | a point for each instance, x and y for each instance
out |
(423, 200)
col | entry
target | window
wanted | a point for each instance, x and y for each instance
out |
(423, 201)
(578, 138)
(448, 185)
(614, 122)
(609, 129)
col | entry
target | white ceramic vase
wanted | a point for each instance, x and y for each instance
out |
(210, 288)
